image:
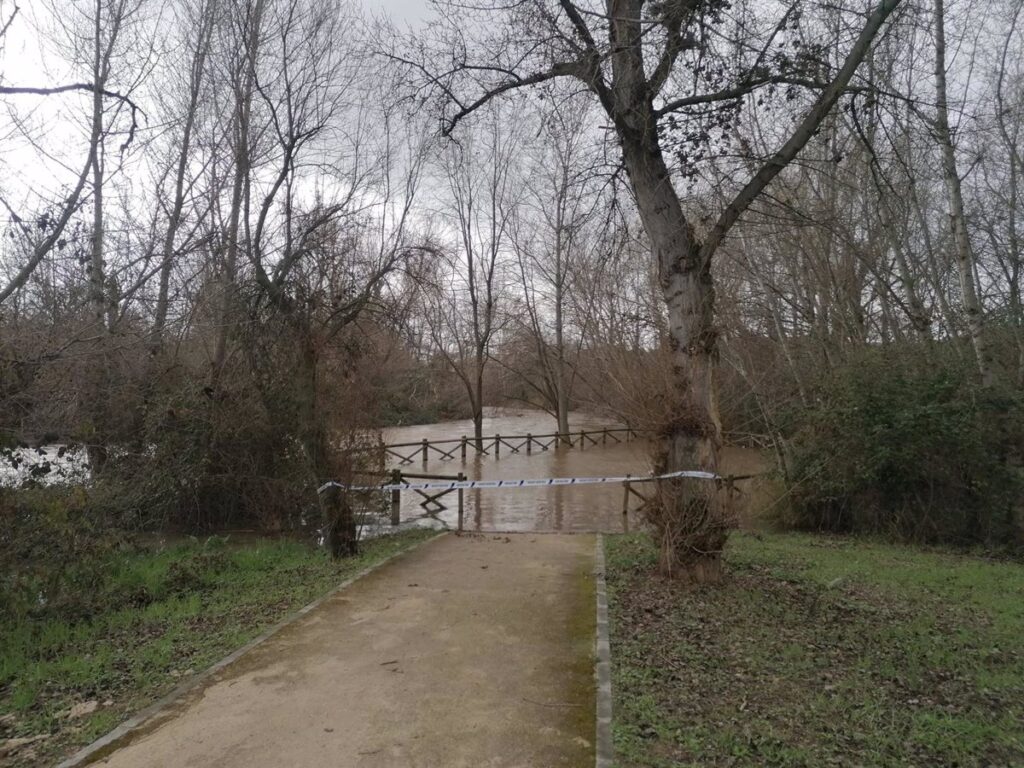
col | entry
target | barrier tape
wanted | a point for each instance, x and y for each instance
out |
(532, 483)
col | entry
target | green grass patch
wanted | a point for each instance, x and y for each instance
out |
(818, 651)
(170, 614)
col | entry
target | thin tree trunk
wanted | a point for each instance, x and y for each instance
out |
(98, 393)
(339, 525)
(478, 402)
(958, 220)
(175, 215)
(240, 183)
(561, 386)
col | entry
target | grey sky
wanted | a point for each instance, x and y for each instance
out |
(401, 11)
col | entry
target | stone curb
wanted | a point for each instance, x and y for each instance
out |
(603, 667)
(84, 755)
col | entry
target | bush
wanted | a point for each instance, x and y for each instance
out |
(214, 463)
(54, 546)
(901, 445)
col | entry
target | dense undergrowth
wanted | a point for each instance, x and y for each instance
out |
(907, 446)
(145, 619)
(818, 651)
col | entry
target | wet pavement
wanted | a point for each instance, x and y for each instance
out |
(471, 651)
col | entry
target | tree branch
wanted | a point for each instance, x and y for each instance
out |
(804, 132)
(44, 247)
(580, 69)
(12, 90)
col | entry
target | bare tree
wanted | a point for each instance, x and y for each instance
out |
(637, 60)
(464, 314)
(554, 232)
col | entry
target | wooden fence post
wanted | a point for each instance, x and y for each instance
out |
(463, 449)
(426, 448)
(497, 445)
(462, 477)
(583, 439)
(396, 497)
(529, 443)
(625, 498)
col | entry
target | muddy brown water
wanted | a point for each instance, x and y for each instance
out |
(585, 508)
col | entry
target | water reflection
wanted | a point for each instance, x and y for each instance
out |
(553, 508)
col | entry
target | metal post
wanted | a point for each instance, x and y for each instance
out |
(583, 439)
(396, 497)
(497, 445)
(463, 449)
(529, 443)
(426, 447)
(462, 476)
(625, 499)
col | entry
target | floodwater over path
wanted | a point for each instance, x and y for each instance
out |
(553, 508)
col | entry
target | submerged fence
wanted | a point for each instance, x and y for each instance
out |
(492, 445)
(433, 487)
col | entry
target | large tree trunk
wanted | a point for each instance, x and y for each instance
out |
(340, 529)
(691, 517)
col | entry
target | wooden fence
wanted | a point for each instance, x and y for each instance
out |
(492, 445)
(431, 500)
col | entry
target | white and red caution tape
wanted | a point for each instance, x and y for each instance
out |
(451, 485)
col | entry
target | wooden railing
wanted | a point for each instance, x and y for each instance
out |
(491, 445)
(397, 477)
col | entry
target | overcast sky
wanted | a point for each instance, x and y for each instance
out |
(409, 11)
(22, 62)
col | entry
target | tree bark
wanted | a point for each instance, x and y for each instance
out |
(690, 519)
(958, 219)
(339, 525)
(97, 394)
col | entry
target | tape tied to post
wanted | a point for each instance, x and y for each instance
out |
(451, 485)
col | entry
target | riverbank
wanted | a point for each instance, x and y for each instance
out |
(818, 651)
(169, 614)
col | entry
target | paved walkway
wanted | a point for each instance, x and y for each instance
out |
(472, 651)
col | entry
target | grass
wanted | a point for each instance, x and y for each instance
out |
(818, 652)
(158, 617)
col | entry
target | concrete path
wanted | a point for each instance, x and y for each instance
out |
(472, 651)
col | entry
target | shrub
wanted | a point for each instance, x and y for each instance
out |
(54, 546)
(901, 445)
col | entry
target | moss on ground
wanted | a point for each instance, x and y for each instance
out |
(172, 613)
(818, 651)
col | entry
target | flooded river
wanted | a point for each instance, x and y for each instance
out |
(554, 508)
